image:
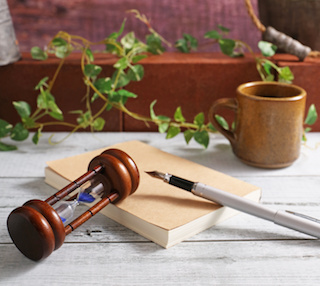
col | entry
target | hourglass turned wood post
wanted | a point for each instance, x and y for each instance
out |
(37, 227)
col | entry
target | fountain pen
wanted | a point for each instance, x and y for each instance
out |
(289, 219)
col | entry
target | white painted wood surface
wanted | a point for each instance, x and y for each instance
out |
(242, 251)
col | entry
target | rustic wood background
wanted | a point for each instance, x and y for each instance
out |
(298, 19)
(37, 21)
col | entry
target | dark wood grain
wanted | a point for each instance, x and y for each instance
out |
(193, 81)
(298, 19)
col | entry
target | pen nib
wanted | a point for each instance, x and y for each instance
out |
(156, 174)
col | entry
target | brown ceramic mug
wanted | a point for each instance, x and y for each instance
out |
(268, 123)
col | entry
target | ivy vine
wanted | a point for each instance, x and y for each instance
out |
(111, 91)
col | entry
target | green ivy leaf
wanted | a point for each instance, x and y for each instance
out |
(182, 46)
(304, 137)
(123, 79)
(165, 120)
(108, 107)
(19, 133)
(121, 95)
(311, 116)
(188, 135)
(104, 85)
(126, 93)
(154, 44)
(172, 132)
(59, 42)
(113, 37)
(152, 113)
(7, 147)
(36, 136)
(23, 108)
(267, 49)
(163, 127)
(56, 114)
(38, 54)
(128, 41)
(178, 115)
(121, 64)
(42, 82)
(222, 122)
(28, 122)
(223, 29)
(227, 46)
(285, 75)
(187, 43)
(202, 137)
(89, 54)
(91, 70)
(114, 97)
(98, 124)
(199, 119)
(213, 35)
(138, 58)
(84, 119)
(94, 97)
(136, 72)
(267, 68)
(5, 128)
(192, 41)
(62, 51)
(44, 99)
(211, 127)
(116, 35)
(269, 77)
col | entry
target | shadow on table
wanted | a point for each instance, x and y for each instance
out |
(13, 263)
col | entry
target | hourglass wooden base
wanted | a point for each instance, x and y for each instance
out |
(36, 227)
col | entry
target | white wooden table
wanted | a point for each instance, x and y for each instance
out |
(242, 251)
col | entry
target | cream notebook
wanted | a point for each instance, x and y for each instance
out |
(158, 211)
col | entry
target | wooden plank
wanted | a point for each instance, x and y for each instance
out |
(35, 23)
(218, 156)
(192, 263)
(277, 193)
(241, 251)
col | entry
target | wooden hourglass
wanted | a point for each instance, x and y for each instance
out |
(37, 227)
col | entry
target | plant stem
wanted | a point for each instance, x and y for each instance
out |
(37, 125)
(56, 74)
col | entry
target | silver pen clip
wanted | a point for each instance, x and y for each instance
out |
(304, 216)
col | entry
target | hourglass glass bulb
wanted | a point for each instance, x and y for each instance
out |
(91, 193)
(65, 210)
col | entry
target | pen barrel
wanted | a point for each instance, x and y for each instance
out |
(283, 218)
(298, 223)
(233, 201)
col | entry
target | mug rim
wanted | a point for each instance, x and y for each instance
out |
(302, 92)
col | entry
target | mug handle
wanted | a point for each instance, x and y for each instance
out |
(229, 103)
